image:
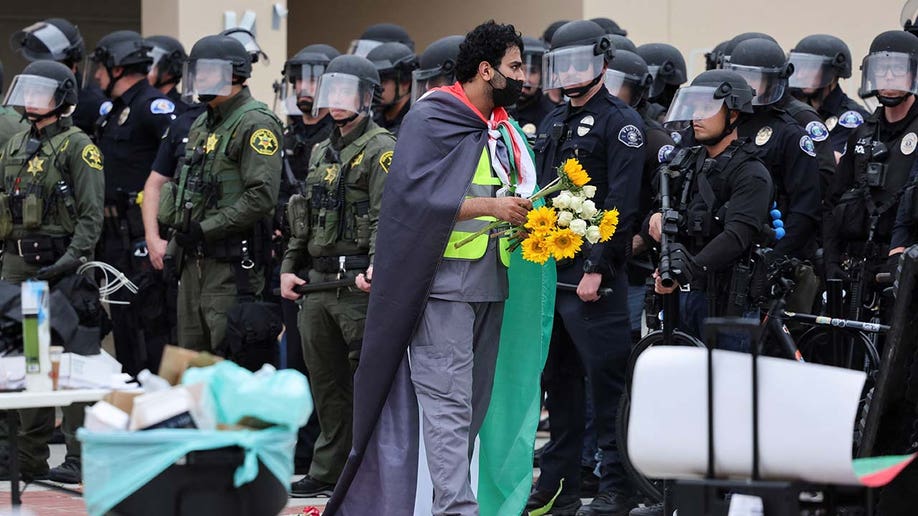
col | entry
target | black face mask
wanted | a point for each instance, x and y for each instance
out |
(580, 91)
(305, 104)
(206, 98)
(509, 94)
(891, 101)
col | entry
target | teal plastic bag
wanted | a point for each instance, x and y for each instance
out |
(116, 464)
(278, 397)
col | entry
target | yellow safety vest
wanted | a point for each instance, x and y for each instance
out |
(484, 184)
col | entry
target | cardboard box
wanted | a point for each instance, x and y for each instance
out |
(176, 360)
(122, 400)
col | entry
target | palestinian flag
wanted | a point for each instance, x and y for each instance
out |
(879, 471)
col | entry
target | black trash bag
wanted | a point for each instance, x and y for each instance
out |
(251, 335)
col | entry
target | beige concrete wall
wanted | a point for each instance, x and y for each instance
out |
(337, 22)
(190, 20)
(695, 26)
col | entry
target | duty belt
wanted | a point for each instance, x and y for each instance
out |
(333, 264)
(38, 250)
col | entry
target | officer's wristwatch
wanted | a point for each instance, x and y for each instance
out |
(590, 267)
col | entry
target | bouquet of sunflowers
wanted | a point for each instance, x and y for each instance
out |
(559, 230)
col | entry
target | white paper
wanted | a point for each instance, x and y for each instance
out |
(745, 505)
(806, 417)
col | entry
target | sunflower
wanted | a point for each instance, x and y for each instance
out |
(564, 243)
(608, 224)
(575, 172)
(541, 219)
(536, 248)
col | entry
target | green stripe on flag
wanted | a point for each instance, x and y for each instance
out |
(879, 471)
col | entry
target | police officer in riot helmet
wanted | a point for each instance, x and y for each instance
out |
(629, 79)
(378, 34)
(723, 56)
(57, 39)
(166, 71)
(532, 106)
(395, 63)
(667, 67)
(759, 57)
(437, 66)
(52, 176)
(129, 133)
(780, 142)
(819, 62)
(607, 137)
(880, 158)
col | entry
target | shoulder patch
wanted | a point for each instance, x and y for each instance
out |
(664, 153)
(92, 156)
(850, 119)
(807, 145)
(162, 107)
(385, 160)
(817, 131)
(631, 136)
(764, 134)
(264, 142)
(105, 107)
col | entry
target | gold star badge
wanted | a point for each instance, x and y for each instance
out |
(211, 143)
(331, 173)
(36, 165)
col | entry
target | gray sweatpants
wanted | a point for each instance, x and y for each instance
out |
(453, 355)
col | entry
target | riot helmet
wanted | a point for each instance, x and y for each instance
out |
(393, 61)
(215, 64)
(532, 52)
(54, 39)
(890, 66)
(302, 72)
(549, 31)
(378, 34)
(247, 39)
(622, 43)
(347, 86)
(763, 65)
(437, 66)
(577, 58)
(44, 89)
(667, 67)
(168, 60)
(628, 78)
(818, 60)
(609, 26)
(713, 58)
(727, 50)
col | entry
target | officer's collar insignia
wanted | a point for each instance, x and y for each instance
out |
(817, 131)
(676, 136)
(122, 118)
(264, 142)
(908, 143)
(850, 119)
(831, 122)
(105, 107)
(764, 134)
(631, 136)
(162, 107)
(385, 161)
(357, 160)
(331, 173)
(92, 156)
(585, 125)
(807, 145)
(36, 165)
(211, 144)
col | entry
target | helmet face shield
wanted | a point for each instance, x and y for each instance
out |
(570, 66)
(362, 47)
(424, 80)
(33, 93)
(615, 81)
(207, 77)
(769, 84)
(692, 103)
(811, 71)
(344, 92)
(890, 71)
(532, 68)
(53, 39)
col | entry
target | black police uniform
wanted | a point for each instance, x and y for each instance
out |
(790, 155)
(842, 115)
(533, 111)
(607, 137)
(129, 135)
(719, 231)
(171, 150)
(180, 105)
(89, 101)
(391, 125)
(867, 168)
(807, 117)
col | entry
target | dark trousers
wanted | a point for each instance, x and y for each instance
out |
(307, 435)
(588, 340)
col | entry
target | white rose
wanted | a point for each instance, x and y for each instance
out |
(565, 218)
(579, 226)
(589, 191)
(588, 210)
(576, 204)
(592, 234)
(562, 201)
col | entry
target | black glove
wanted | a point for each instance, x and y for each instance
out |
(64, 265)
(191, 238)
(892, 265)
(834, 271)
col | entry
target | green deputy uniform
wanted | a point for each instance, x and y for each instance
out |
(11, 122)
(230, 178)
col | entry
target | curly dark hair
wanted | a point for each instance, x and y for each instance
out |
(486, 42)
